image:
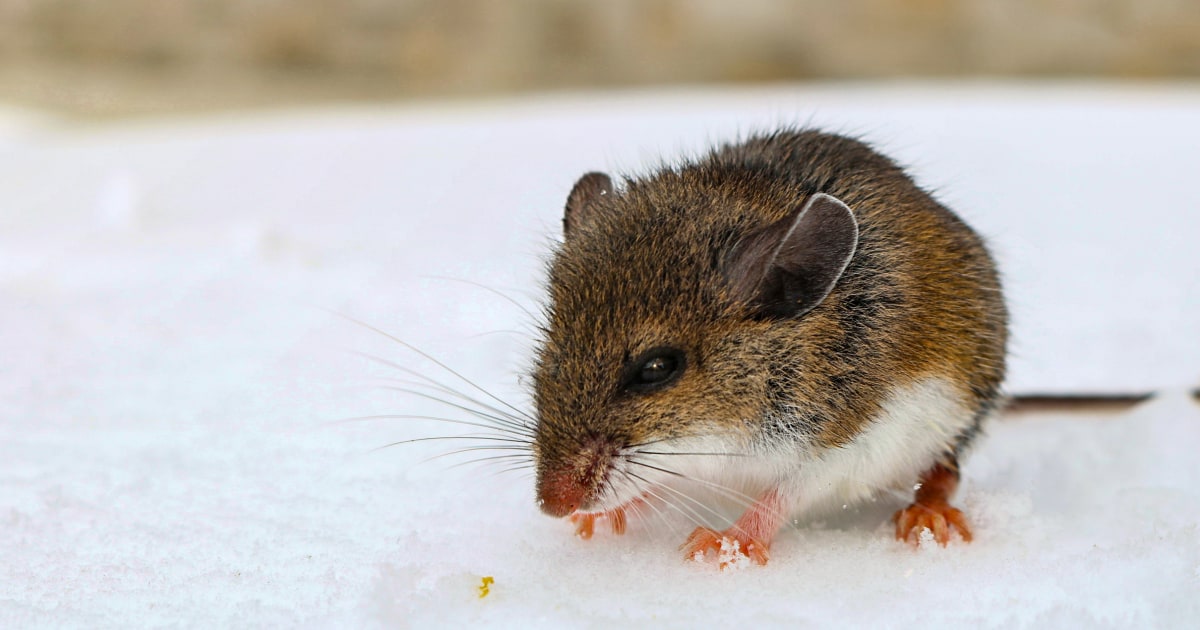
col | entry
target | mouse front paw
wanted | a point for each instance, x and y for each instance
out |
(585, 522)
(750, 537)
(936, 516)
(729, 546)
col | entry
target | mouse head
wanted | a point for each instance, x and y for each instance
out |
(663, 324)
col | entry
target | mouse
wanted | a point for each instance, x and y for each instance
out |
(787, 322)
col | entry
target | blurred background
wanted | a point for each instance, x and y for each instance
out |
(129, 57)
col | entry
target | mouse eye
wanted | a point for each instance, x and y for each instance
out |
(654, 369)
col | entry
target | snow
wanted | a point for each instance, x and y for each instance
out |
(173, 372)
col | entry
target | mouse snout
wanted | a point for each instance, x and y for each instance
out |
(559, 495)
(574, 482)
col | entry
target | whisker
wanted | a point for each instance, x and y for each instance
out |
(744, 500)
(662, 518)
(505, 331)
(497, 416)
(468, 423)
(490, 290)
(687, 512)
(456, 437)
(515, 428)
(649, 442)
(478, 460)
(430, 357)
(518, 420)
(719, 516)
(727, 492)
(432, 382)
(507, 457)
(696, 454)
(516, 468)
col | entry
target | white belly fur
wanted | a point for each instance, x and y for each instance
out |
(918, 423)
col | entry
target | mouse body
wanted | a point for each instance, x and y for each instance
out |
(789, 322)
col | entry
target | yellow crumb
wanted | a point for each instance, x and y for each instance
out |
(485, 586)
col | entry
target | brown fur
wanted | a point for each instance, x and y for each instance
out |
(641, 267)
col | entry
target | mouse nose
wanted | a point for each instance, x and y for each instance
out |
(572, 481)
(558, 494)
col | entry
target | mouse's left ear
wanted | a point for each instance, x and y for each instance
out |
(582, 199)
(789, 267)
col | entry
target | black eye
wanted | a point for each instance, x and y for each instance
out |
(654, 369)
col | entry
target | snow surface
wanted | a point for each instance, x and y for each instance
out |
(171, 371)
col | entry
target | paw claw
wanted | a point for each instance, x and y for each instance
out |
(700, 542)
(959, 521)
(585, 522)
(937, 517)
(726, 546)
(616, 519)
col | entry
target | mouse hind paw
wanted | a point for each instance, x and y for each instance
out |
(931, 508)
(937, 516)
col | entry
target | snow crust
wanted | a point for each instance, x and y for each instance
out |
(172, 371)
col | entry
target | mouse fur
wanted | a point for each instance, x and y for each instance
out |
(914, 316)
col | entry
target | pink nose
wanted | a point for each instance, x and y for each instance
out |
(558, 494)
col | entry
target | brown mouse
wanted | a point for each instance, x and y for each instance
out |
(789, 318)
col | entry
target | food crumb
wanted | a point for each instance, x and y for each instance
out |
(485, 586)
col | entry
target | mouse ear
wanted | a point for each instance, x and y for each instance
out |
(789, 267)
(582, 199)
